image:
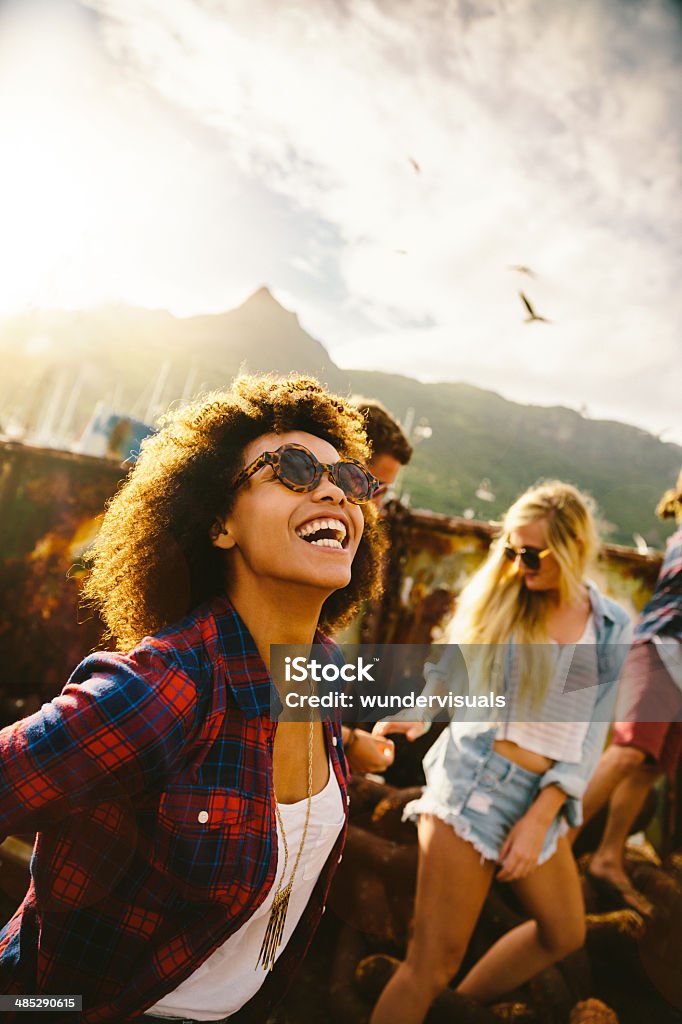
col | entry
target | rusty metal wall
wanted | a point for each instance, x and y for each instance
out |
(432, 556)
(49, 507)
(50, 502)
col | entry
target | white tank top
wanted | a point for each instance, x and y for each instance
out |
(567, 708)
(229, 978)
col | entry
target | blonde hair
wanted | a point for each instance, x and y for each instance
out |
(670, 505)
(494, 605)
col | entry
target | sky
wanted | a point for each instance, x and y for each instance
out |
(383, 166)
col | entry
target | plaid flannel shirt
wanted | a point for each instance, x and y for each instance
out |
(662, 615)
(149, 780)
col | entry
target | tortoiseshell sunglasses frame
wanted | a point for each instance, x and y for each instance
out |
(274, 459)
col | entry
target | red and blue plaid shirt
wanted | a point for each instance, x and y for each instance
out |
(662, 615)
(149, 780)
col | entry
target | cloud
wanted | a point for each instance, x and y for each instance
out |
(545, 134)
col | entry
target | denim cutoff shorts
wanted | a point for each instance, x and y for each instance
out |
(478, 792)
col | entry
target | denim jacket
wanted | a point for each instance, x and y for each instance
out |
(614, 634)
(613, 630)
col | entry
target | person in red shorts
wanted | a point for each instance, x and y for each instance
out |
(647, 740)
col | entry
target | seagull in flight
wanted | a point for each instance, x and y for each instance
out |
(522, 270)
(414, 163)
(532, 315)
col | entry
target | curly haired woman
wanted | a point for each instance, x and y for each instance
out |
(186, 841)
(501, 796)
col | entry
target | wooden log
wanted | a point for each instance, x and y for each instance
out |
(497, 917)
(373, 974)
(577, 973)
(592, 1011)
(387, 816)
(373, 889)
(515, 1013)
(617, 931)
(612, 943)
(591, 833)
(660, 947)
(672, 865)
(662, 889)
(452, 1008)
(550, 996)
(365, 794)
(346, 1003)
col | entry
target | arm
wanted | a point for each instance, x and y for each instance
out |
(117, 728)
(449, 676)
(522, 847)
(367, 752)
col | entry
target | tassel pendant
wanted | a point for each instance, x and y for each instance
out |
(272, 939)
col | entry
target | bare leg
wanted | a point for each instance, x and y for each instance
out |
(607, 861)
(452, 883)
(616, 762)
(552, 894)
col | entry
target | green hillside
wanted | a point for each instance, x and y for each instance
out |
(478, 434)
(125, 357)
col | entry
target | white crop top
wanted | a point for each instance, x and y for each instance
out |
(230, 976)
(567, 709)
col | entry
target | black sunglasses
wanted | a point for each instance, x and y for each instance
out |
(300, 471)
(531, 557)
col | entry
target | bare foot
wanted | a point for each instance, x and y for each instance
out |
(611, 881)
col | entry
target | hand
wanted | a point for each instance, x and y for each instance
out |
(521, 849)
(413, 730)
(370, 753)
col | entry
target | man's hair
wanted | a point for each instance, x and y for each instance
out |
(153, 560)
(384, 433)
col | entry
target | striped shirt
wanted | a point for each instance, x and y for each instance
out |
(149, 780)
(662, 615)
(558, 728)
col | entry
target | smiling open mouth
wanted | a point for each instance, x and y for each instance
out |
(324, 533)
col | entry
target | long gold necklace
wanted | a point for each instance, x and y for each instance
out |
(272, 939)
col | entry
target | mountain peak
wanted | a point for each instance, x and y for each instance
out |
(262, 296)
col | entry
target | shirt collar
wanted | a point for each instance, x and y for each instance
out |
(600, 608)
(246, 674)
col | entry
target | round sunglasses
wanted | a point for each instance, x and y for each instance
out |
(300, 471)
(531, 557)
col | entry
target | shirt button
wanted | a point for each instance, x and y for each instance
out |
(340, 859)
(348, 799)
(203, 817)
(334, 740)
(324, 908)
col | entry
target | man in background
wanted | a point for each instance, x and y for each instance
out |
(648, 741)
(390, 446)
(391, 450)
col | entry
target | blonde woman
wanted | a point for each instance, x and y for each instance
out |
(500, 797)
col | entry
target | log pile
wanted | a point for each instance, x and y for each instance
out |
(617, 978)
(630, 963)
